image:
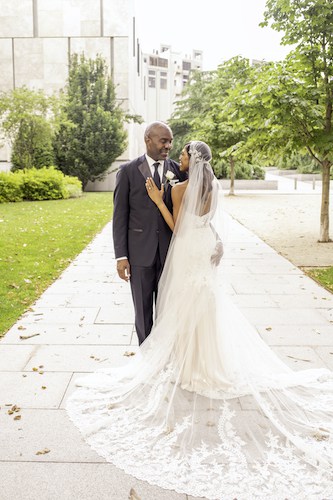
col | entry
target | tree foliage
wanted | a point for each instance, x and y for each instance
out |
(27, 121)
(91, 134)
(307, 77)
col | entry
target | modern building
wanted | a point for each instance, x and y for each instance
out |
(37, 38)
(165, 73)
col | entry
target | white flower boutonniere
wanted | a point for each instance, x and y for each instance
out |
(169, 178)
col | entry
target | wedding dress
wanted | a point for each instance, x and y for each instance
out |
(205, 407)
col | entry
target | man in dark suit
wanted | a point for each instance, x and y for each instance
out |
(140, 234)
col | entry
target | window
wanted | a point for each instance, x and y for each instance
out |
(158, 61)
(186, 65)
(163, 83)
(151, 79)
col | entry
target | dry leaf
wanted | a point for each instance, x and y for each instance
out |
(43, 452)
(25, 337)
(300, 359)
(133, 495)
(18, 417)
(129, 353)
(43, 386)
(21, 327)
(35, 369)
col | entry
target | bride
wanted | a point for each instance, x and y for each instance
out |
(205, 407)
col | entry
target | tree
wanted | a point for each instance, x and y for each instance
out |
(225, 134)
(91, 134)
(190, 110)
(307, 79)
(27, 121)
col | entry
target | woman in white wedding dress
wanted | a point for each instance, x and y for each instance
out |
(205, 407)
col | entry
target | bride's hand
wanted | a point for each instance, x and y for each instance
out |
(153, 192)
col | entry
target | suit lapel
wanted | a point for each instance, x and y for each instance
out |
(166, 167)
(144, 169)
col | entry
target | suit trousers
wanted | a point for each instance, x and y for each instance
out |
(144, 282)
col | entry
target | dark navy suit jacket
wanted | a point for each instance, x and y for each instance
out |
(138, 227)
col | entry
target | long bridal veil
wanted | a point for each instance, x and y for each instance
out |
(205, 407)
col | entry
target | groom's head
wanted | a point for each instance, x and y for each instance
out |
(158, 139)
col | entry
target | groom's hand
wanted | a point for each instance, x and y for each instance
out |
(123, 269)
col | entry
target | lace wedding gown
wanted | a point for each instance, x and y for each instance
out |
(205, 407)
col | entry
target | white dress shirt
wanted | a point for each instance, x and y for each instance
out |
(151, 162)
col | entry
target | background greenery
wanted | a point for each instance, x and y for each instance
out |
(38, 240)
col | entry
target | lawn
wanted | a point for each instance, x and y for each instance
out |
(38, 240)
(323, 275)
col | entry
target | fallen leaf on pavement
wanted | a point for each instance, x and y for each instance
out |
(133, 495)
(25, 337)
(43, 452)
(129, 353)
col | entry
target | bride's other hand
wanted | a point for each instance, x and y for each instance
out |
(154, 193)
(218, 253)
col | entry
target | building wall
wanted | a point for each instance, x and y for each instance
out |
(37, 38)
(166, 72)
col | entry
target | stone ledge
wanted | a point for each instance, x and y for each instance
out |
(250, 184)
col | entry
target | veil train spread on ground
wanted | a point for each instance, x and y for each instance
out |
(206, 407)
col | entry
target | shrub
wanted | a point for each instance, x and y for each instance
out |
(73, 187)
(247, 171)
(38, 184)
(43, 184)
(10, 187)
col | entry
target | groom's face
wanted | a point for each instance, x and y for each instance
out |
(159, 143)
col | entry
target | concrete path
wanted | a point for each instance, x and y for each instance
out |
(84, 321)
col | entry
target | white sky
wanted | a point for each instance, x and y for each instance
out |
(221, 28)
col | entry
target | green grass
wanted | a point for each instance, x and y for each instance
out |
(38, 240)
(323, 275)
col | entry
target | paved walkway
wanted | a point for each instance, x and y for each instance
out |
(84, 321)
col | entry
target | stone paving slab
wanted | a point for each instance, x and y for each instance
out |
(49, 333)
(62, 315)
(33, 389)
(73, 358)
(277, 316)
(300, 357)
(40, 429)
(14, 358)
(297, 335)
(74, 481)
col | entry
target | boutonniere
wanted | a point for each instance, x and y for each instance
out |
(169, 178)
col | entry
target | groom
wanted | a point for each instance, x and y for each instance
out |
(141, 236)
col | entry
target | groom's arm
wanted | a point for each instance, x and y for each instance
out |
(121, 214)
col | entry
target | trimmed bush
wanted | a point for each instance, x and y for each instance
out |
(10, 187)
(43, 184)
(73, 187)
(38, 184)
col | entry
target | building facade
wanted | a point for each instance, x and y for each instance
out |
(165, 73)
(37, 38)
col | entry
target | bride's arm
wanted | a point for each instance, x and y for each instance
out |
(156, 196)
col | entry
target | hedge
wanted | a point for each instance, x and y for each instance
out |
(33, 184)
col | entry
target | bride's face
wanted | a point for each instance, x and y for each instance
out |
(184, 161)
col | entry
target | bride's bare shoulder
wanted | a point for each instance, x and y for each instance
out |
(180, 186)
(178, 190)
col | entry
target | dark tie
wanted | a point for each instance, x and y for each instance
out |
(156, 175)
